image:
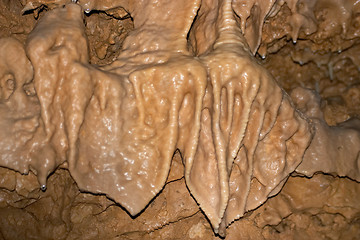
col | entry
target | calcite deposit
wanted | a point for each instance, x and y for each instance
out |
(179, 119)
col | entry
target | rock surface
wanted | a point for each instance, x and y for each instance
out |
(179, 78)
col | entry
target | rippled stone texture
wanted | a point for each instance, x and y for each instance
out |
(185, 79)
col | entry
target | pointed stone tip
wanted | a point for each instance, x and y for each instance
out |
(221, 230)
(43, 187)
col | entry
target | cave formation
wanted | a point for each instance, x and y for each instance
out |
(186, 98)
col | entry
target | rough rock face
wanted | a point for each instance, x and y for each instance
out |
(184, 81)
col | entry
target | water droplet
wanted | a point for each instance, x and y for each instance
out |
(87, 10)
(43, 187)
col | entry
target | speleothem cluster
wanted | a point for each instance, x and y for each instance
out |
(185, 80)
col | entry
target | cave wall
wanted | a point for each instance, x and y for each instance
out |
(286, 44)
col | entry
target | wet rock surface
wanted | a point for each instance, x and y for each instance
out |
(268, 205)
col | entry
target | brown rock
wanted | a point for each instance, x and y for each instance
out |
(179, 77)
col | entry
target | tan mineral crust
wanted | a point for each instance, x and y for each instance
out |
(193, 119)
